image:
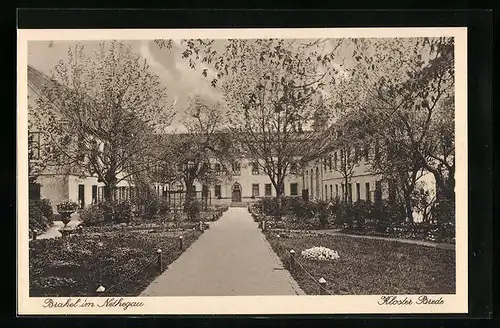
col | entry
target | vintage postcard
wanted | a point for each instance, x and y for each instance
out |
(242, 171)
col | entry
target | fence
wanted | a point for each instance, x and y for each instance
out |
(156, 259)
(176, 199)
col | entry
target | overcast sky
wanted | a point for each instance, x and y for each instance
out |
(181, 81)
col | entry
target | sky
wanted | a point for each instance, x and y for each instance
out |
(181, 80)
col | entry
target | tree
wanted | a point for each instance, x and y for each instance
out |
(409, 86)
(270, 87)
(103, 112)
(190, 153)
(400, 91)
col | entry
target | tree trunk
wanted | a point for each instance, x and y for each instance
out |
(280, 191)
(409, 208)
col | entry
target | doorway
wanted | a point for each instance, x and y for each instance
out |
(236, 194)
(81, 195)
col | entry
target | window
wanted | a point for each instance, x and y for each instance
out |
(331, 191)
(324, 164)
(358, 191)
(356, 154)
(236, 168)
(335, 160)
(255, 190)
(367, 191)
(33, 145)
(367, 153)
(293, 189)
(94, 194)
(349, 191)
(326, 191)
(330, 162)
(217, 168)
(343, 191)
(293, 168)
(337, 190)
(217, 191)
(255, 168)
(341, 157)
(267, 191)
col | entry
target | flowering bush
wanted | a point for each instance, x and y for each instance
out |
(320, 254)
(67, 206)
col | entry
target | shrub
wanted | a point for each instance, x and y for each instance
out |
(192, 208)
(123, 212)
(36, 218)
(46, 208)
(269, 206)
(443, 213)
(361, 211)
(151, 207)
(322, 211)
(92, 215)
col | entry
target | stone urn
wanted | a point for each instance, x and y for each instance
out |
(66, 209)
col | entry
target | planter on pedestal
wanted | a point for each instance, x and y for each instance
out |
(66, 209)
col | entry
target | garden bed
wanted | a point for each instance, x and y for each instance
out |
(369, 266)
(78, 265)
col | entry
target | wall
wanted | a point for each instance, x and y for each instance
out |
(54, 188)
(246, 179)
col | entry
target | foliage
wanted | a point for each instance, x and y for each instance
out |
(67, 206)
(92, 215)
(46, 208)
(271, 88)
(192, 209)
(185, 157)
(107, 212)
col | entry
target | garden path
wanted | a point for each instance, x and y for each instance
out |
(53, 231)
(231, 258)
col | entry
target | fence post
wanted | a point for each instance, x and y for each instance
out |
(201, 226)
(194, 232)
(180, 243)
(160, 259)
(263, 225)
(292, 259)
(35, 232)
(322, 286)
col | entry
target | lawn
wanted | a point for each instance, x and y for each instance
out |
(78, 265)
(369, 267)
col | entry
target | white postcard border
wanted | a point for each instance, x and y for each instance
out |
(345, 304)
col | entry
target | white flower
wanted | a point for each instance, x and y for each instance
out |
(320, 254)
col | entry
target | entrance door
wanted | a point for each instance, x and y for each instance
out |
(236, 195)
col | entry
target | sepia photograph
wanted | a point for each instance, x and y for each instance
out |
(207, 165)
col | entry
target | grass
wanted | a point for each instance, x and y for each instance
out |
(368, 266)
(78, 265)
